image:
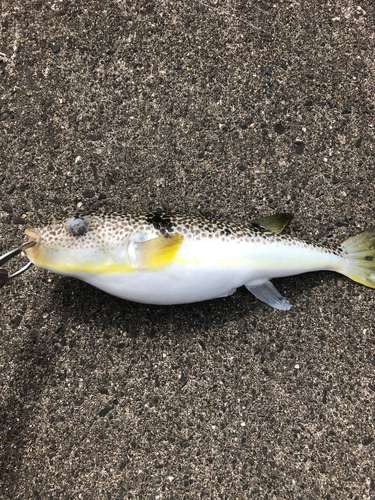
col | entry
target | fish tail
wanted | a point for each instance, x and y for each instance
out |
(359, 258)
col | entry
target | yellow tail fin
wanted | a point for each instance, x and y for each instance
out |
(360, 253)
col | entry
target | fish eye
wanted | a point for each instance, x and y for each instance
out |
(77, 227)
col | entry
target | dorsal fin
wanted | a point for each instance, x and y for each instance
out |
(275, 223)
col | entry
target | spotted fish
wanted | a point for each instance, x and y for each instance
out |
(157, 258)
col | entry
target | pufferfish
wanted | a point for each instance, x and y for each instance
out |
(157, 258)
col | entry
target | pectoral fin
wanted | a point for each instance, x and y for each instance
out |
(267, 293)
(157, 252)
(275, 223)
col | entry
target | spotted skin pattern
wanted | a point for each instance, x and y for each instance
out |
(110, 229)
(161, 258)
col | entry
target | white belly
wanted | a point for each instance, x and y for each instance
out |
(176, 284)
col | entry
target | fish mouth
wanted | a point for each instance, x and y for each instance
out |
(34, 241)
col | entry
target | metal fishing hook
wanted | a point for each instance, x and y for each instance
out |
(4, 275)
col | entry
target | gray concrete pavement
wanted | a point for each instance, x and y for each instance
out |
(237, 109)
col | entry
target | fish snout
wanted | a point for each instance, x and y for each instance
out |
(34, 236)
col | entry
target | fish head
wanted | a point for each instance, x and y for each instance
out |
(84, 244)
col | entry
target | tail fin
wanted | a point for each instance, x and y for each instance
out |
(360, 258)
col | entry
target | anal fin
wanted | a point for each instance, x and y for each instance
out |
(267, 293)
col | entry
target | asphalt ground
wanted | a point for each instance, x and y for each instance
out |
(235, 109)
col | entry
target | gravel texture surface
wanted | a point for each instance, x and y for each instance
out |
(236, 109)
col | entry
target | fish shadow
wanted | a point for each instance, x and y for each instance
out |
(87, 304)
(82, 303)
